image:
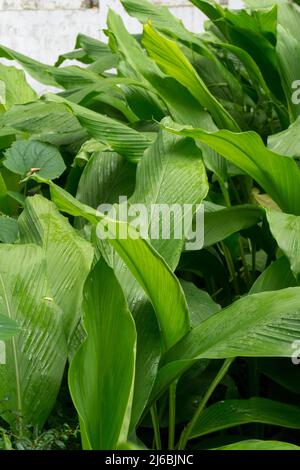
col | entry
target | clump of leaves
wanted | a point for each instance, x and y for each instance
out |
(164, 347)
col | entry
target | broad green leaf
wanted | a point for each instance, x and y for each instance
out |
(255, 444)
(148, 334)
(161, 17)
(93, 47)
(39, 71)
(278, 175)
(220, 224)
(8, 229)
(65, 77)
(230, 413)
(162, 164)
(166, 162)
(73, 77)
(286, 142)
(68, 256)
(201, 305)
(171, 310)
(148, 355)
(121, 138)
(286, 231)
(101, 375)
(8, 328)
(264, 324)
(173, 62)
(17, 90)
(35, 358)
(47, 122)
(25, 156)
(277, 276)
(108, 98)
(105, 177)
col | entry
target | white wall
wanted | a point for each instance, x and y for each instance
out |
(45, 28)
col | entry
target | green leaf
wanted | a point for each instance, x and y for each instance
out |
(255, 444)
(171, 310)
(17, 90)
(36, 357)
(264, 324)
(166, 162)
(8, 229)
(40, 72)
(158, 171)
(25, 156)
(65, 77)
(8, 328)
(93, 47)
(105, 177)
(201, 305)
(47, 122)
(286, 231)
(173, 62)
(286, 142)
(223, 222)
(275, 173)
(277, 276)
(121, 138)
(101, 377)
(160, 16)
(230, 413)
(69, 257)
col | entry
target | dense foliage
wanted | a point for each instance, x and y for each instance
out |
(149, 344)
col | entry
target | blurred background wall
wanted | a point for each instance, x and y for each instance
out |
(43, 29)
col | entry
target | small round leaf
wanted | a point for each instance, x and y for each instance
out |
(29, 156)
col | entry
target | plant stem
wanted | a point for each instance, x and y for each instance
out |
(230, 266)
(186, 433)
(225, 192)
(172, 415)
(253, 254)
(155, 422)
(246, 270)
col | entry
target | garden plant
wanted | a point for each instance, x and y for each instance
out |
(144, 341)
